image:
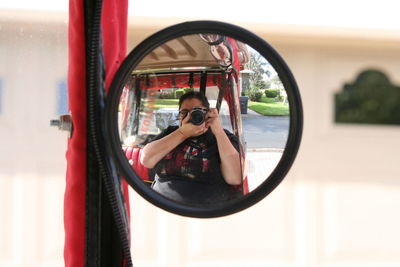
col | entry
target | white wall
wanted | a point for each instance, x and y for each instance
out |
(33, 60)
(337, 206)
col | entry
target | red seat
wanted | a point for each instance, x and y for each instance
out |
(133, 156)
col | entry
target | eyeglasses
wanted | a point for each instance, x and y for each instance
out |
(183, 113)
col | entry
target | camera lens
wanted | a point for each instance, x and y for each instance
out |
(197, 117)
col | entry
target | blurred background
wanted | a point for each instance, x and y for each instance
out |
(336, 207)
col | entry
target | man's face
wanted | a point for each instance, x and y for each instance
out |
(188, 105)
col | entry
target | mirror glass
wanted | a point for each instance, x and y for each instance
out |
(180, 151)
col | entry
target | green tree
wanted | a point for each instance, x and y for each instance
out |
(259, 66)
(276, 82)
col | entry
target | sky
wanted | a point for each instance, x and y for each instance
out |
(371, 14)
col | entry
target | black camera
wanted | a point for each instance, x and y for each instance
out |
(197, 115)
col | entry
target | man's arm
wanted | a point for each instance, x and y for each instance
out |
(230, 158)
(153, 152)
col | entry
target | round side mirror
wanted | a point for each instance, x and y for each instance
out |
(203, 119)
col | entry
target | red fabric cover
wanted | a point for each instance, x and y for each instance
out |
(115, 29)
(133, 155)
(114, 32)
(178, 81)
(74, 198)
(245, 186)
(114, 26)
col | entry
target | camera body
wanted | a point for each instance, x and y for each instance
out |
(197, 115)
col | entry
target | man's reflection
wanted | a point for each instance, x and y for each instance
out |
(197, 162)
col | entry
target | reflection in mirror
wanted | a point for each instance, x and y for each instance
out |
(245, 113)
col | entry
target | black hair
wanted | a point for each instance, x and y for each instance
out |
(197, 95)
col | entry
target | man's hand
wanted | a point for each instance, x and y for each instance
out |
(213, 121)
(188, 129)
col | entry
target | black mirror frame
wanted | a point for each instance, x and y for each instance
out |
(195, 27)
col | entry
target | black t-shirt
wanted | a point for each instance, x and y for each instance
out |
(191, 172)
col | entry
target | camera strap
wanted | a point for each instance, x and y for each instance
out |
(203, 83)
(191, 80)
(222, 90)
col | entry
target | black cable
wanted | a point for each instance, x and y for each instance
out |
(96, 140)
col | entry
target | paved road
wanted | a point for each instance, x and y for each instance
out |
(265, 131)
(266, 138)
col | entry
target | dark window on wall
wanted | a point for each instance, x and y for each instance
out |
(62, 98)
(370, 99)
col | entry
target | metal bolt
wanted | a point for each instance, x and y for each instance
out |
(64, 123)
